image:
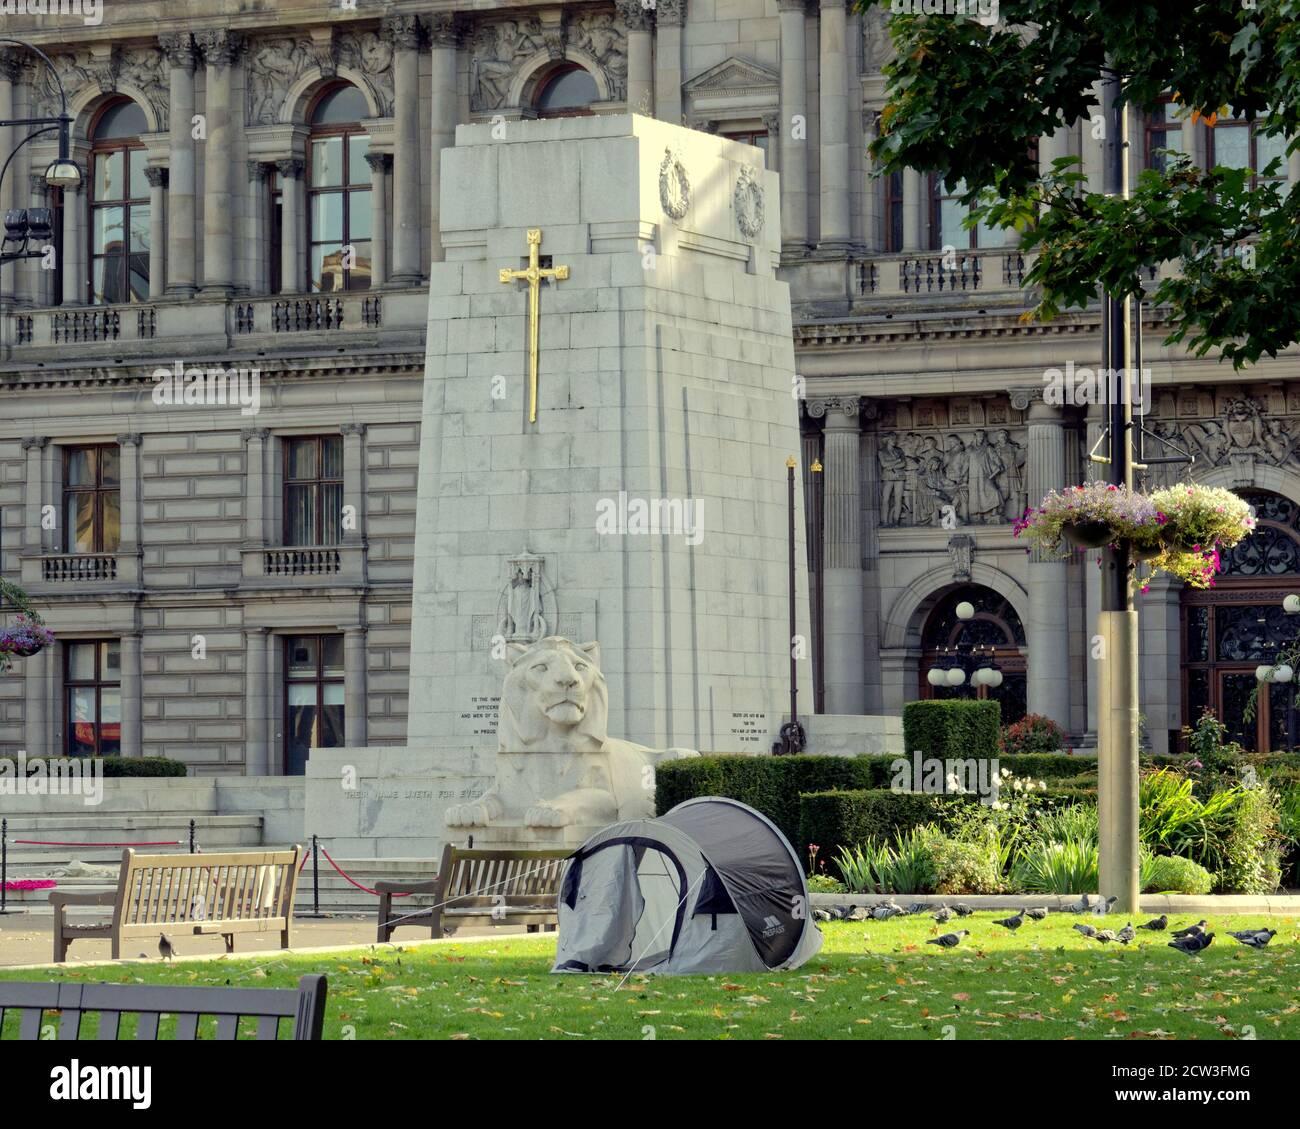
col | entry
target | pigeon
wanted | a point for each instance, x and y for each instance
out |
(1255, 938)
(1038, 913)
(961, 909)
(1086, 930)
(822, 915)
(1193, 943)
(949, 940)
(888, 910)
(1156, 924)
(1125, 935)
(1081, 906)
(1103, 904)
(1105, 936)
(1191, 930)
(165, 949)
(857, 913)
(917, 907)
(942, 915)
(1012, 923)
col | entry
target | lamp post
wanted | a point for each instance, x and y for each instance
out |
(791, 738)
(22, 226)
(966, 666)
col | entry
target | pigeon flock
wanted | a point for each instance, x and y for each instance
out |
(1189, 939)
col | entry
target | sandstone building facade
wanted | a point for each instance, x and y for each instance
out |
(231, 586)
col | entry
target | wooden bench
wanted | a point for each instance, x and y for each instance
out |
(480, 887)
(305, 1006)
(241, 892)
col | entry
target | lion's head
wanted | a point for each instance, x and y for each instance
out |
(554, 698)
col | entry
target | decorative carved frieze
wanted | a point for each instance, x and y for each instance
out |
(274, 65)
(403, 32)
(156, 175)
(138, 71)
(634, 14)
(178, 49)
(219, 46)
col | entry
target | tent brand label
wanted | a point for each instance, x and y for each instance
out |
(772, 927)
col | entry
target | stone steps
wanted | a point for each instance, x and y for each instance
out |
(212, 833)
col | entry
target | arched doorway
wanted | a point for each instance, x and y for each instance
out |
(1230, 629)
(995, 624)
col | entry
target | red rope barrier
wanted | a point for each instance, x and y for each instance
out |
(354, 882)
(302, 865)
(53, 843)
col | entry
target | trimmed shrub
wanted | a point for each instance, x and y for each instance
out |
(1033, 733)
(117, 767)
(964, 868)
(844, 819)
(1169, 873)
(955, 727)
(1252, 848)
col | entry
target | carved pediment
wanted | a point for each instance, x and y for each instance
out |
(735, 76)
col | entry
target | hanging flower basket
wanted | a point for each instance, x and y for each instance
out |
(1087, 534)
(24, 637)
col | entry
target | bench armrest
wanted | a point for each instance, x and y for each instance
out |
(392, 886)
(83, 898)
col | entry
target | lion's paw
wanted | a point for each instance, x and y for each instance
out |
(544, 815)
(466, 815)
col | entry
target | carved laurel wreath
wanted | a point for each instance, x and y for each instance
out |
(674, 186)
(749, 202)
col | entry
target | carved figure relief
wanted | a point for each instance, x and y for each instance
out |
(749, 203)
(138, 69)
(523, 618)
(274, 65)
(674, 186)
(981, 476)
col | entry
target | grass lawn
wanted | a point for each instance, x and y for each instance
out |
(872, 980)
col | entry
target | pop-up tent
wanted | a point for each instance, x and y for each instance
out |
(712, 886)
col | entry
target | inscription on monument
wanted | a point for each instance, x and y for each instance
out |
(482, 714)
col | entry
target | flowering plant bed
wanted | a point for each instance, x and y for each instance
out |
(31, 884)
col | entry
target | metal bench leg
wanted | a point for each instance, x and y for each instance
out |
(230, 941)
(385, 915)
(60, 942)
(284, 936)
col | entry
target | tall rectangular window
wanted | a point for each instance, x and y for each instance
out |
(313, 490)
(1164, 130)
(92, 690)
(948, 215)
(894, 212)
(92, 500)
(313, 688)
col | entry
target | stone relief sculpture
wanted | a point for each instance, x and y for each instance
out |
(557, 765)
(274, 65)
(674, 186)
(598, 35)
(139, 69)
(497, 52)
(749, 202)
(1241, 435)
(981, 477)
(523, 617)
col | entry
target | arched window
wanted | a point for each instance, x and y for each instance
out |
(119, 206)
(568, 91)
(1239, 624)
(338, 192)
(994, 625)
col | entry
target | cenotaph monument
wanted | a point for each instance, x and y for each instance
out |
(608, 411)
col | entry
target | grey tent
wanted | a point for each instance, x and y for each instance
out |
(712, 886)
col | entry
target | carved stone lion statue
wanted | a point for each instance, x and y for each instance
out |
(556, 764)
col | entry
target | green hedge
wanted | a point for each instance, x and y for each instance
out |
(952, 727)
(124, 766)
(843, 819)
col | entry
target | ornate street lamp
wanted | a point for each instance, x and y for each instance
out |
(965, 663)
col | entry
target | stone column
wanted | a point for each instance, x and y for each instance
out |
(640, 69)
(353, 484)
(132, 693)
(1048, 630)
(36, 705)
(10, 65)
(255, 486)
(670, 16)
(844, 647)
(221, 48)
(128, 446)
(259, 209)
(1161, 669)
(404, 34)
(835, 232)
(1052, 147)
(290, 170)
(794, 125)
(913, 193)
(379, 165)
(1092, 141)
(772, 123)
(156, 175)
(34, 538)
(354, 687)
(38, 280)
(873, 222)
(179, 50)
(257, 691)
(74, 262)
(444, 105)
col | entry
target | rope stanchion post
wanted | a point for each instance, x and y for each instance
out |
(4, 862)
(191, 836)
(313, 853)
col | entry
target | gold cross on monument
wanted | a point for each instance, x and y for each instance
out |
(533, 275)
